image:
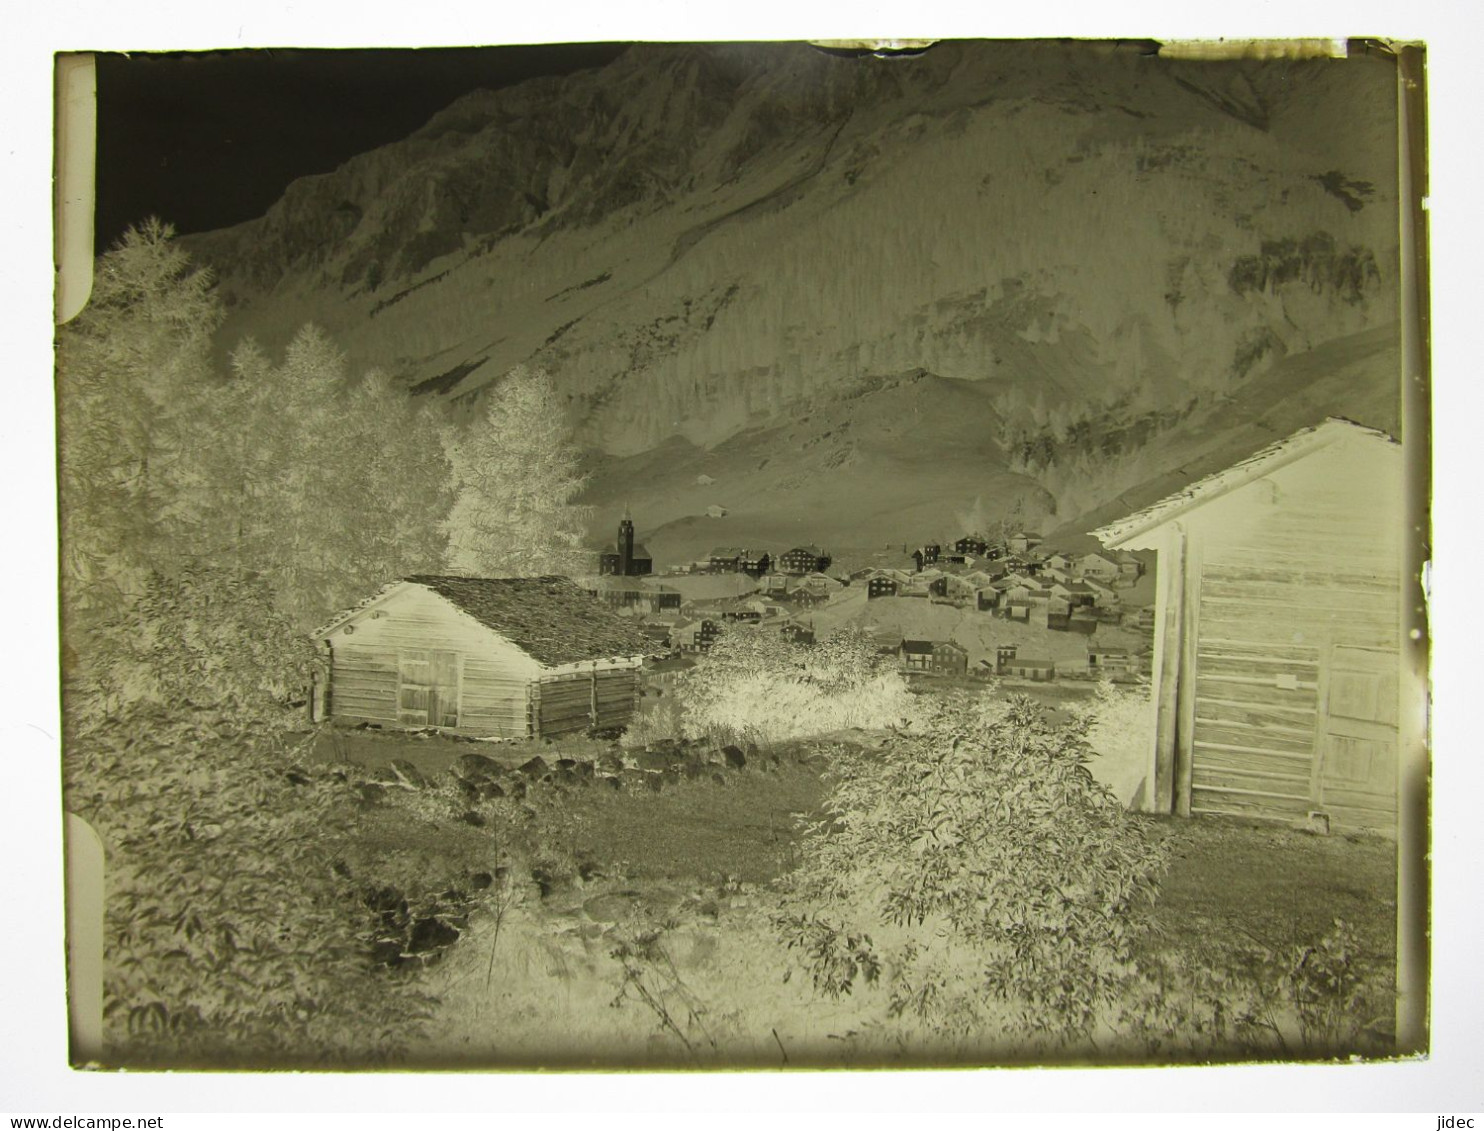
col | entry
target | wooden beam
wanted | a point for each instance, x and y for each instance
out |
(1170, 613)
(1185, 691)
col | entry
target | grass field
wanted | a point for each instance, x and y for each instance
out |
(1241, 904)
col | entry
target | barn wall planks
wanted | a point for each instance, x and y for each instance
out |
(1279, 606)
(501, 691)
(1292, 567)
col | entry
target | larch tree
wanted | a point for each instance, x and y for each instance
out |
(338, 484)
(516, 478)
(131, 367)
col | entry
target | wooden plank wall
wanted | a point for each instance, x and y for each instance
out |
(576, 702)
(496, 676)
(1289, 568)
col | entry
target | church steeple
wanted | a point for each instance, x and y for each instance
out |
(625, 545)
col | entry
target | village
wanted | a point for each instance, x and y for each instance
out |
(982, 607)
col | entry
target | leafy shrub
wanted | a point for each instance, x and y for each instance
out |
(755, 686)
(231, 939)
(231, 936)
(978, 871)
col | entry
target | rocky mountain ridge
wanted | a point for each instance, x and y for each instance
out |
(700, 242)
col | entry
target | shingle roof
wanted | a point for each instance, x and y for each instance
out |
(549, 618)
(1254, 467)
(918, 647)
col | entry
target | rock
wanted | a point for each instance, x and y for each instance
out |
(719, 778)
(371, 792)
(430, 934)
(472, 818)
(735, 759)
(481, 881)
(489, 791)
(477, 766)
(297, 777)
(694, 770)
(587, 869)
(409, 774)
(535, 768)
(654, 780)
(611, 907)
(467, 789)
(612, 781)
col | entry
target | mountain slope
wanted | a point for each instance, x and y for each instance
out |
(710, 246)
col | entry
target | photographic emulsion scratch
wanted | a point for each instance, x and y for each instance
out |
(749, 555)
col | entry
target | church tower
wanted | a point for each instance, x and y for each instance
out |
(626, 545)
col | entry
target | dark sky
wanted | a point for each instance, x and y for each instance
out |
(204, 140)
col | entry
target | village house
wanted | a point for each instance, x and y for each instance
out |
(915, 655)
(692, 636)
(1022, 542)
(1278, 646)
(796, 633)
(725, 559)
(927, 555)
(626, 558)
(716, 510)
(1003, 655)
(1041, 671)
(754, 562)
(492, 657)
(1099, 566)
(1107, 662)
(642, 596)
(971, 544)
(881, 586)
(804, 559)
(949, 658)
(1084, 621)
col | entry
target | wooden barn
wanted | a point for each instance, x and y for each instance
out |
(1277, 633)
(519, 657)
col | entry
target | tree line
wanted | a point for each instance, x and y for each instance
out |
(211, 515)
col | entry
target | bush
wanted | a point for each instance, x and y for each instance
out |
(233, 934)
(979, 874)
(755, 686)
(231, 938)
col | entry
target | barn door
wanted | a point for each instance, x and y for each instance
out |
(427, 687)
(1356, 774)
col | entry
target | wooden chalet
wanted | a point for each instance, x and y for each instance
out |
(1040, 671)
(520, 657)
(1277, 646)
(804, 559)
(881, 586)
(915, 655)
(950, 658)
(725, 559)
(696, 635)
(971, 544)
(1022, 542)
(1102, 660)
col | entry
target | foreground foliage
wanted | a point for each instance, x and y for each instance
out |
(979, 872)
(756, 686)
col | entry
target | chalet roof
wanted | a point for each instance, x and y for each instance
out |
(1302, 443)
(810, 549)
(917, 647)
(1036, 665)
(548, 618)
(727, 552)
(954, 644)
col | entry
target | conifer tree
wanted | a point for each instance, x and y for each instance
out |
(516, 475)
(130, 368)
